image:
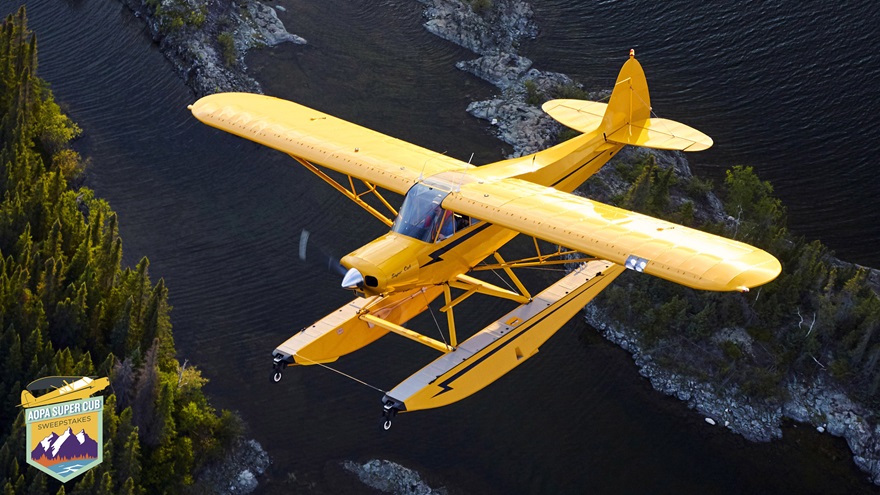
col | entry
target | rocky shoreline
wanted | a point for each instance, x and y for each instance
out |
(820, 403)
(390, 477)
(494, 34)
(207, 41)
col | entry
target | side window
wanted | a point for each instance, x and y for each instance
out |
(445, 227)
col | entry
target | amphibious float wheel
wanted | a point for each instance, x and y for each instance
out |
(388, 413)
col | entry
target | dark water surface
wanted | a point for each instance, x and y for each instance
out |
(788, 87)
(220, 219)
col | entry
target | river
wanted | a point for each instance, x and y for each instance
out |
(220, 219)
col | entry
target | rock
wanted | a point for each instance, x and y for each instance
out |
(502, 70)
(710, 421)
(193, 47)
(818, 402)
(267, 27)
(493, 30)
(237, 473)
(524, 127)
(390, 477)
(738, 336)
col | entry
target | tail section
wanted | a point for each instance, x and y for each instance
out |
(626, 118)
(630, 102)
(27, 398)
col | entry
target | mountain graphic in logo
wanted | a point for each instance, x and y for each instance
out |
(65, 447)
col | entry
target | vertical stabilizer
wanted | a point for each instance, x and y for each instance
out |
(630, 102)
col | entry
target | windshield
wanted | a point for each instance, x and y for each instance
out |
(422, 217)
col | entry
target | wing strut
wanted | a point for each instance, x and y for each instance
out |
(351, 193)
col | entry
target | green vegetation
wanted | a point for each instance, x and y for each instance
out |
(176, 14)
(227, 46)
(68, 308)
(570, 92)
(480, 6)
(536, 98)
(819, 316)
(533, 96)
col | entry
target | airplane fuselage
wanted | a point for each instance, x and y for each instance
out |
(412, 255)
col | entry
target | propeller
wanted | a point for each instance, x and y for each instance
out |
(318, 254)
(352, 279)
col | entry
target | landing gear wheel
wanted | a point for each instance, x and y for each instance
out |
(388, 413)
(278, 366)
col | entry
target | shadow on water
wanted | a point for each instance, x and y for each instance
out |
(220, 220)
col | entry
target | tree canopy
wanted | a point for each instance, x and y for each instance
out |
(68, 307)
(819, 316)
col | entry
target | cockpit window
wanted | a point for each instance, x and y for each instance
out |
(422, 217)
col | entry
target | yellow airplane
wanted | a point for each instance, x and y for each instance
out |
(455, 216)
(63, 389)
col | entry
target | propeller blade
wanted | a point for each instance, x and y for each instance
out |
(323, 256)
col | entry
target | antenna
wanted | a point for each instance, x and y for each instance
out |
(422, 172)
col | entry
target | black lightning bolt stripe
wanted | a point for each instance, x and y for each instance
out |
(437, 254)
(577, 169)
(512, 337)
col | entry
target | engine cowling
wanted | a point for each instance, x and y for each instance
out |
(384, 265)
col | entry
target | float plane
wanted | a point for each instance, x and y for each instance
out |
(63, 389)
(455, 217)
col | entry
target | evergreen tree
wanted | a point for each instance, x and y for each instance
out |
(144, 406)
(129, 465)
(123, 379)
(85, 485)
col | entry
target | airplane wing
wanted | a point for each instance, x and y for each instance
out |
(322, 139)
(673, 252)
(51, 382)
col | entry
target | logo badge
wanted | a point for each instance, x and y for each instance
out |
(64, 426)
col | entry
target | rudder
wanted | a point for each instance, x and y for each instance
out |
(630, 101)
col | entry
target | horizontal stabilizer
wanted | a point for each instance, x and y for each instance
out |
(580, 115)
(664, 134)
